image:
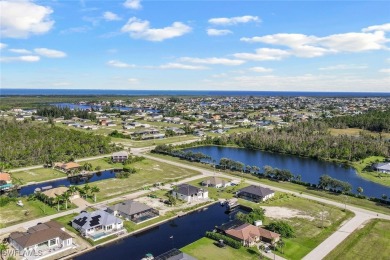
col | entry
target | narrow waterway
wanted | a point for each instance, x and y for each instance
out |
(157, 240)
(309, 169)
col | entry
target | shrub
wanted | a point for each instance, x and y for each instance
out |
(281, 227)
(227, 240)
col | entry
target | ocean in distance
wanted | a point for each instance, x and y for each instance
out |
(106, 92)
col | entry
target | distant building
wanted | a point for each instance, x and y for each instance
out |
(190, 193)
(255, 193)
(216, 182)
(382, 167)
(120, 156)
(67, 167)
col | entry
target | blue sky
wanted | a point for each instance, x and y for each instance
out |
(196, 45)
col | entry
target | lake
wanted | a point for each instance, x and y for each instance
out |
(185, 230)
(76, 180)
(309, 169)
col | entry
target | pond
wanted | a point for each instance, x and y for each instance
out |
(76, 180)
(157, 240)
(309, 169)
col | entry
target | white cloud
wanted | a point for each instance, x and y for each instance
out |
(27, 58)
(80, 29)
(140, 29)
(133, 4)
(216, 32)
(234, 20)
(213, 61)
(61, 84)
(132, 80)
(344, 67)
(119, 64)
(110, 16)
(383, 27)
(220, 75)
(385, 70)
(3, 45)
(20, 19)
(20, 51)
(181, 66)
(49, 53)
(309, 46)
(260, 69)
(263, 54)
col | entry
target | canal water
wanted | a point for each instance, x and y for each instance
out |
(157, 240)
(309, 169)
(27, 190)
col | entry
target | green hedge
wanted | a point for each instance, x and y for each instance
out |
(227, 240)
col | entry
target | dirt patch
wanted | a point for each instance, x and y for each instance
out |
(285, 213)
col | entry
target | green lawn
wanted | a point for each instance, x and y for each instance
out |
(103, 163)
(12, 214)
(149, 173)
(370, 242)
(36, 175)
(382, 178)
(362, 203)
(309, 232)
(204, 249)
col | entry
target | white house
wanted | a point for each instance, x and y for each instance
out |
(382, 167)
(41, 240)
(216, 182)
(97, 224)
(190, 193)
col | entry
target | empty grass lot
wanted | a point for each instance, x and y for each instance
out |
(370, 242)
(146, 143)
(149, 172)
(36, 175)
(204, 249)
(103, 163)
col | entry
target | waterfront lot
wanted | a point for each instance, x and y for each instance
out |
(204, 249)
(146, 143)
(370, 242)
(378, 177)
(313, 222)
(149, 173)
(36, 175)
(362, 203)
(103, 163)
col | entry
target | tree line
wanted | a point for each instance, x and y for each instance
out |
(26, 143)
(66, 112)
(375, 120)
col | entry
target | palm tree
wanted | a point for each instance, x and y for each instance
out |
(94, 190)
(86, 189)
(3, 248)
(72, 189)
(66, 197)
(57, 201)
(359, 190)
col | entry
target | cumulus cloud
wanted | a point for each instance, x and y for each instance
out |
(216, 32)
(213, 61)
(49, 53)
(344, 67)
(234, 20)
(260, 69)
(110, 16)
(181, 66)
(140, 29)
(27, 58)
(309, 46)
(133, 4)
(119, 64)
(263, 54)
(3, 45)
(20, 51)
(20, 19)
(383, 27)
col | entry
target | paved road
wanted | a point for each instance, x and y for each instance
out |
(361, 215)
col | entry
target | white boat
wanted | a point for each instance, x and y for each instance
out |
(20, 203)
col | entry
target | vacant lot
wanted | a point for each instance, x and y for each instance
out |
(36, 175)
(146, 143)
(204, 249)
(149, 173)
(370, 242)
(103, 163)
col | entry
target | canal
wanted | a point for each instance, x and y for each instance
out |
(157, 240)
(309, 169)
(76, 180)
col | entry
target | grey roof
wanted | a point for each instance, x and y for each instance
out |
(187, 189)
(122, 153)
(257, 190)
(129, 207)
(88, 220)
(382, 166)
(214, 181)
(174, 254)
